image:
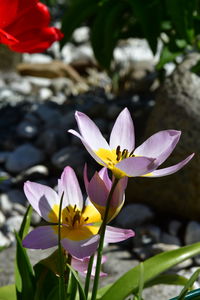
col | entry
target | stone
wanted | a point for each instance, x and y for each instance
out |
(46, 113)
(4, 156)
(20, 209)
(45, 94)
(16, 196)
(2, 219)
(167, 238)
(174, 227)
(5, 204)
(71, 156)
(4, 241)
(13, 223)
(23, 157)
(134, 215)
(35, 172)
(177, 107)
(192, 233)
(27, 130)
(81, 35)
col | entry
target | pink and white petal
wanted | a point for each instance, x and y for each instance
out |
(136, 166)
(41, 197)
(85, 177)
(90, 132)
(170, 170)
(119, 195)
(70, 186)
(123, 132)
(82, 248)
(42, 237)
(159, 146)
(88, 148)
(97, 190)
(81, 265)
(103, 173)
(114, 235)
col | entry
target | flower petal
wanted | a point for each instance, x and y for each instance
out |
(42, 237)
(97, 190)
(82, 248)
(103, 173)
(170, 170)
(114, 235)
(81, 265)
(8, 10)
(123, 132)
(159, 146)
(88, 148)
(70, 186)
(90, 132)
(136, 166)
(41, 197)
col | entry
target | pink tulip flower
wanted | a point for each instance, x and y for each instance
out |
(80, 222)
(120, 155)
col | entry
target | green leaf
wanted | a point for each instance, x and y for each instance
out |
(78, 12)
(8, 292)
(189, 285)
(80, 288)
(47, 280)
(167, 56)
(24, 228)
(181, 13)
(141, 281)
(24, 276)
(149, 14)
(171, 279)
(153, 266)
(106, 30)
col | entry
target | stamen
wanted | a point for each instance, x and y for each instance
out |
(76, 218)
(118, 153)
(68, 209)
(75, 207)
(131, 153)
(124, 153)
(86, 219)
(66, 219)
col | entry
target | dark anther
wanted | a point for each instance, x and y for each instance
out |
(76, 218)
(131, 153)
(75, 207)
(66, 219)
(124, 153)
(68, 209)
(118, 153)
(86, 219)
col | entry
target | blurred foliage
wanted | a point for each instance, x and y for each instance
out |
(175, 22)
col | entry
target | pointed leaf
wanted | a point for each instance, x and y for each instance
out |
(24, 228)
(171, 279)
(189, 285)
(153, 266)
(24, 276)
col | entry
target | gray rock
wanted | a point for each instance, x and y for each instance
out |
(23, 157)
(51, 140)
(47, 113)
(81, 35)
(4, 241)
(27, 130)
(23, 86)
(133, 215)
(192, 233)
(4, 156)
(36, 172)
(174, 227)
(167, 238)
(5, 204)
(16, 196)
(20, 209)
(177, 107)
(68, 156)
(35, 218)
(59, 84)
(45, 93)
(13, 223)
(2, 218)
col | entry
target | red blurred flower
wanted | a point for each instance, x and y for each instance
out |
(24, 26)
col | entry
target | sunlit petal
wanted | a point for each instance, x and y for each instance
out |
(42, 237)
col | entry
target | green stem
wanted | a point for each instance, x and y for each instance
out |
(62, 292)
(101, 241)
(89, 271)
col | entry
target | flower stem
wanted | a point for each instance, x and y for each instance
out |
(101, 240)
(89, 271)
(62, 291)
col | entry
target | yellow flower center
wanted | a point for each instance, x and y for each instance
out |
(76, 224)
(112, 157)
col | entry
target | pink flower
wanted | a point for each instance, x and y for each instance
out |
(81, 265)
(121, 156)
(98, 189)
(80, 222)
(24, 26)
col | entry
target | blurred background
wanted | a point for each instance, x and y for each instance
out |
(143, 55)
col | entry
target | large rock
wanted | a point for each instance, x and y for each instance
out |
(177, 107)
